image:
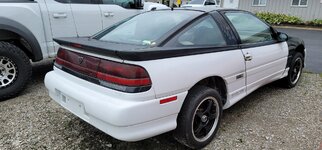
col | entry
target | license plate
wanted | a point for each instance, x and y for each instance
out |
(71, 104)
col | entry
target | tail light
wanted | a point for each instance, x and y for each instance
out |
(123, 74)
(114, 75)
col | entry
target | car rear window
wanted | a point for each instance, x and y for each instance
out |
(146, 28)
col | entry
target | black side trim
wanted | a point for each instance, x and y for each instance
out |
(251, 45)
(15, 27)
(160, 53)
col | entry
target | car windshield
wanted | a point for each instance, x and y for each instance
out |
(146, 28)
(197, 2)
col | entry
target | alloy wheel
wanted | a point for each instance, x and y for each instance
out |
(205, 119)
(297, 69)
(8, 72)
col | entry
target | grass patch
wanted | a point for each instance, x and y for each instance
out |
(284, 19)
(308, 72)
(278, 19)
(321, 75)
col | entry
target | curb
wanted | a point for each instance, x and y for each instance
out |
(302, 28)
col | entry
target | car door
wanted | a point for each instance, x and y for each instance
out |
(87, 15)
(61, 19)
(114, 11)
(265, 57)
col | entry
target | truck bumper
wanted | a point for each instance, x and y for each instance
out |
(126, 120)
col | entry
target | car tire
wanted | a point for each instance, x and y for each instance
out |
(199, 118)
(295, 71)
(15, 70)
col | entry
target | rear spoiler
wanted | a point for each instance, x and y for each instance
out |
(87, 45)
(115, 50)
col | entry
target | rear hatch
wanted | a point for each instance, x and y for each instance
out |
(115, 75)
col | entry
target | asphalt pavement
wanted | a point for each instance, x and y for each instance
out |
(313, 44)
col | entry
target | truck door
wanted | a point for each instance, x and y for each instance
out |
(230, 4)
(87, 17)
(114, 11)
(61, 19)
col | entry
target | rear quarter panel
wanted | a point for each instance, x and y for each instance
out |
(179, 74)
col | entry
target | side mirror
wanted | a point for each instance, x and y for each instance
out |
(282, 36)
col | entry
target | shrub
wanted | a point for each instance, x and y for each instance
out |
(277, 19)
(315, 22)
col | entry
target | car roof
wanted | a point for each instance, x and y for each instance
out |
(204, 9)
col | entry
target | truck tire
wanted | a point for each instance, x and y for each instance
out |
(295, 71)
(15, 70)
(199, 118)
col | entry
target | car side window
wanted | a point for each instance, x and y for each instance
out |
(122, 3)
(204, 33)
(249, 27)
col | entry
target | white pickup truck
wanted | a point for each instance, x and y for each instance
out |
(27, 29)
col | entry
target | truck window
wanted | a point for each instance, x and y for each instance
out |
(62, 1)
(81, 1)
(210, 2)
(122, 3)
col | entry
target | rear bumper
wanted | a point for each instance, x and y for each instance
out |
(122, 118)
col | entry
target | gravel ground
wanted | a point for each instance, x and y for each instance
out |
(270, 118)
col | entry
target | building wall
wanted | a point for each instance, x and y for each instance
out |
(182, 1)
(312, 11)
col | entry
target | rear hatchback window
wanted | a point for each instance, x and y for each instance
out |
(146, 28)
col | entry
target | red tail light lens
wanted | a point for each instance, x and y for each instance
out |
(78, 62)
(129, 78)
(123, 74)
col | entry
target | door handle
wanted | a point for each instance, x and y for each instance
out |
(108, 14)
(248, 57)
(59, 15)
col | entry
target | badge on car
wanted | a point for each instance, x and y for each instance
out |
(80, 60)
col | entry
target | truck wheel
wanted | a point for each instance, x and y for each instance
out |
(15, 70)
(199, 118)
(295, 71)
